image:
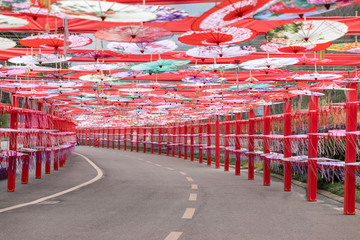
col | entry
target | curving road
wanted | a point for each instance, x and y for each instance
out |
(145, 197)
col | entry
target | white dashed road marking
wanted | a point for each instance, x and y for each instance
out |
(189, 213)
(173, 236)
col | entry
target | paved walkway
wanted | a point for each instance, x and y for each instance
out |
(145, 197)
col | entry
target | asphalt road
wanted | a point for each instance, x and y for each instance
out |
(145, 197)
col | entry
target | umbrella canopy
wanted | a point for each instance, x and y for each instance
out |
(307, 32)
(55, 41)
(220, 51)
(143, 48)
(159, 64)
(99, 67)
(228, 12)
(164, 13)
(316, 76)
(268, 63)
(213, 67)
(14, 5)
(11, 22)
(39, 59)
(353, 47)
(221, 36)
(6, 43)
(133, 34)
(103, 11)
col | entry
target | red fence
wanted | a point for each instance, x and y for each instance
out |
(290, 142)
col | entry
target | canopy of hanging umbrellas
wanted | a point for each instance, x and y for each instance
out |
(137, 62)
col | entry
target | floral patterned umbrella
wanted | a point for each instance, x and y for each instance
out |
(133, 34)
(353, 47)
(128, 74)
(97, 78)
(31, 67)
(13, 5)
(165, 14)
(271, 16)
(316, 76)
(11, 22)
(55, 41)
(280, 49)
(220, 51)
(95, 55)
(268, 63)
(220, 36)
(307, 32)
(203, 80)
(36, 11)
(213, 67)
(8, 73)
(6, 43)
(143, 48)
(228, 12)
(103, 10)
(39, 59)
(99, 67)
(159, 64)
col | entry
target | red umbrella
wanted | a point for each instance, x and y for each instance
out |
(303, 49)
(221, 36)
(229, 12)
(55, 41)
(134, 34)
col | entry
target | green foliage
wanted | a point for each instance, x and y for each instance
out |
(4, 120)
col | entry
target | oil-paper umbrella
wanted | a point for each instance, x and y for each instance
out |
(39, 59)
(159, 64)
(36, 11)
(6, 43)
(31, 67)
(13, 72)
(128, 74)
(316, 76)
(14, 5)
(55, 41)
(97, 78)
(228, 12)
(271, 16)
(220, 51)
(103, 10)
(99, 67)
(203, 80)
(213, 67)
(345, 47)
(95, 55)
(307, 32)
(143, 48)
(165, 14)
(12, 22)
(280, 49)
(220, 36)
(268, 63)
(133, 34)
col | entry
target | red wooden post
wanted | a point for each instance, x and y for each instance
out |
(179, 140)
(12, 147)
(192, 132)
(113, 138)
(108, 137)
(159, 140)
(287, 144)
(26, 158)
(125, 136)
(152, 139)
(173, 140)
(137, 138)
(200, 126)
(86, 136)
(217, 142)
(38, 163)
(226, 143)
(144, 139)
(266, 161)
(119, 138)
(132, 138)
(312, 148)
(350, 149)
(168, 140)
(208, 155)
(251, 144)
(185, 141)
